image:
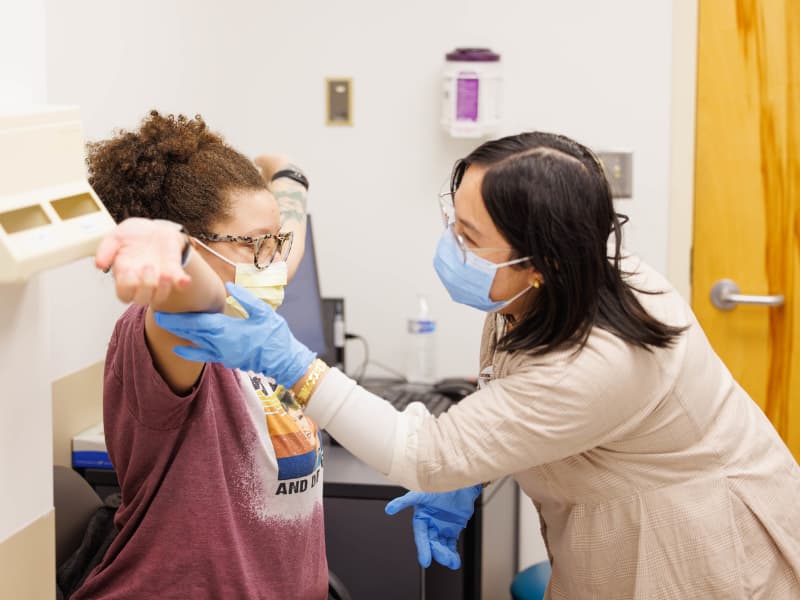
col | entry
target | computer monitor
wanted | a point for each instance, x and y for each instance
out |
(302, 305)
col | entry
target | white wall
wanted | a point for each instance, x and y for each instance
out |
(254, 69)
(83, 311)
(682, 137)
(25, 413)
(22, 53)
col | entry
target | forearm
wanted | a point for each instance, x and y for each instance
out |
(292, 200)
(154, 266)
(204, 293)
(332, 406)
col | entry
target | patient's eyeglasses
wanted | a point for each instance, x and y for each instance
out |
(267, 248)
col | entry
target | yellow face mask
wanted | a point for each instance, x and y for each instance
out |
(267, 284)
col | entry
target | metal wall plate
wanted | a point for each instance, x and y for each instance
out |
(618, 166)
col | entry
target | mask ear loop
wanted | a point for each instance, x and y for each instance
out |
(214, 252)
(514, 298)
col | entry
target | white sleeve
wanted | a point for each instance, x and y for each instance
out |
(541, 413)
(365, 424)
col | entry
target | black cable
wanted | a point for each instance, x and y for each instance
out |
(358, 374)
(389, 369)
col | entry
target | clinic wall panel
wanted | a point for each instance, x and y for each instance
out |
(26, 477)
(27, 561)
(77, 405)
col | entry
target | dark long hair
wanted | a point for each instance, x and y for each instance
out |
(549, 197)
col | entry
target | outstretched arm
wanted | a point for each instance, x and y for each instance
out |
(145, 258)
(561, 406)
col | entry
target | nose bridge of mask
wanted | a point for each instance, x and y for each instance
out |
(469, 282)
(267, 285)
(248, 275)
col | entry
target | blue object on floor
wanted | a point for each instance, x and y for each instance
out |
(531, 583)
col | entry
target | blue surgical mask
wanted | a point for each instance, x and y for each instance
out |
(469, 282)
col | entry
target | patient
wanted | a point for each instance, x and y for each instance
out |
(221, 481)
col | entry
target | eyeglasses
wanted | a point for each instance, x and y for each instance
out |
(449, 218)
(266, 248)
(447, 206)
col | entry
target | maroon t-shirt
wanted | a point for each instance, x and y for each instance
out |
(221, 488)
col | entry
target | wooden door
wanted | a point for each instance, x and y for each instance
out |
(747, 195)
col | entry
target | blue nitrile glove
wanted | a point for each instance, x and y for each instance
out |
(262, 343)
(438, 521)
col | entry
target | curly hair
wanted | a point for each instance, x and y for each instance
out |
(171, 168)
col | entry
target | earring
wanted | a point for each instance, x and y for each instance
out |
(536, 284)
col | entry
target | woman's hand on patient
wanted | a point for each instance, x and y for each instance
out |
(145, 256)
(438, 521)
(261, 343)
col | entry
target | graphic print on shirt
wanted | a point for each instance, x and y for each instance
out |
(295, 438)
(280, 477)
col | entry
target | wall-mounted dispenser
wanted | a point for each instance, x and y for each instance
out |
(472, 92)
(49, 214)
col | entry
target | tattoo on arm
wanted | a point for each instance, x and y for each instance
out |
(292, 204)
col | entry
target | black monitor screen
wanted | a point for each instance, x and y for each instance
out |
(302, 305)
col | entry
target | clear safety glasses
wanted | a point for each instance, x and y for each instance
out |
(449, 219)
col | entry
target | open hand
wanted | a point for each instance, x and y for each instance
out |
(438, 521)
(145, 257)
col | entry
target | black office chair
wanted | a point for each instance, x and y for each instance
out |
(75, 503)
(84, 528)
(337, 589)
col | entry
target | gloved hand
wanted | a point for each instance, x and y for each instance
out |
(262, 343)
(438, 521)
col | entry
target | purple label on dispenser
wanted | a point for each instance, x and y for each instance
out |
(467, 99)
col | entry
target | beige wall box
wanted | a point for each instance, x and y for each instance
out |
(49, 215)
(339, 101)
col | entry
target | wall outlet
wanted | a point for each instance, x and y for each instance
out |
(618, 166)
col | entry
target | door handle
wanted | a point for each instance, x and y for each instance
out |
(725, 296)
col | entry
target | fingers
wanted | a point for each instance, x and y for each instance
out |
(422, 541)
(191, 326)
(196, 354)
(162, 291)
(186, 323)
(174, 273)
(144, 283)
(143, 286)
(107, 251)
(401, 503)
(445, 553)
(251, 304)
(126, 282)
(148, 282)
(146, 259)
